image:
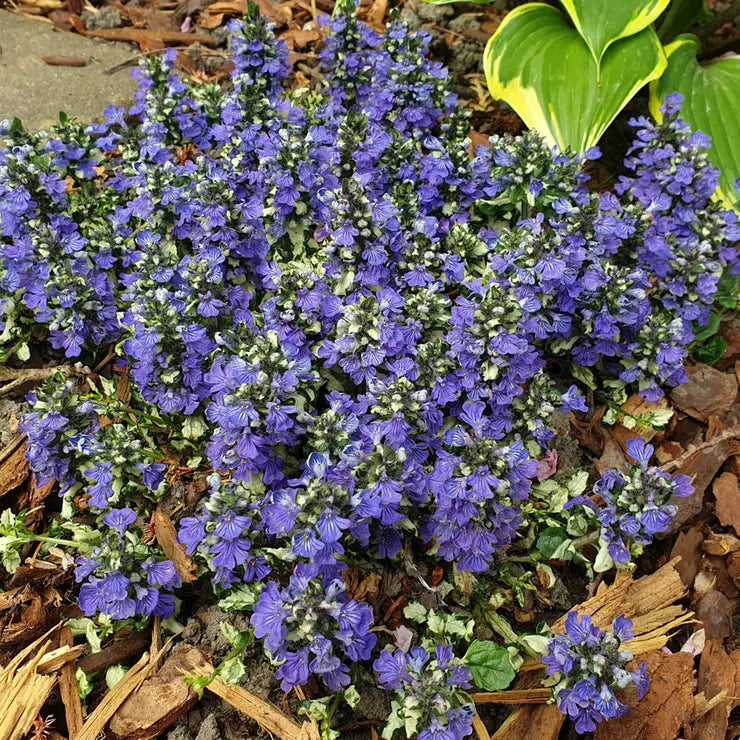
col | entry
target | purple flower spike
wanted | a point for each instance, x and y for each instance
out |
(591, 665)
(433, 685)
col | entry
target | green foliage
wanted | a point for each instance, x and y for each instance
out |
(490, 665)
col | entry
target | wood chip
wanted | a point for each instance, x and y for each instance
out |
(667, 706)
(68, 688)
(23, 690)
(55, 659)
(99, 718)
(727, 494)
(649, 601)
(160, 700)
(480, 729)
(119, 651)
(64, 61)
(166, 535)
(14, 470)
(716, 675)
(707, 392)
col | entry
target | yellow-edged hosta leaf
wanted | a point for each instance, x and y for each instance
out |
(539, 64)
(711, 104)
(602, 22)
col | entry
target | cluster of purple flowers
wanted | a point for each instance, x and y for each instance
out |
(428, 692)
(112, 462)
(310, 627)
(222, 533)
(52, 270)
(122, 576)
(637, 503)
(591, 663)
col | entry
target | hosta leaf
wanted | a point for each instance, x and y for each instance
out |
(711, 103)
(539, 64)
(681, 15)
(602, 22)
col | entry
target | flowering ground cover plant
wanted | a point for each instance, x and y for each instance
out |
(359, 331)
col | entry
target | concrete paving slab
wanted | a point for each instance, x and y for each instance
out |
(35, 92)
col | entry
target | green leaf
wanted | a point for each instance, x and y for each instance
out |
(539, 64)
(728, 290)
(710, 329)
(602, 22)
(603, 561)
(549, 542)
(711, 103)
(490, 665)
(114, 674)
(712, 351)
(232, 670)
(680, 16)
(84, 684)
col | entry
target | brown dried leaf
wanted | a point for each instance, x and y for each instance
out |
(701, 466)
(376, 14)
(708, 391)
(297, 39)
(666, 707)
(714, 611)
(637, 406)
(727, 494)
(612, 455)
(721, 544)
(733, 567)
(166, 535)
(688, 548)
(368, 588)
(716, 674)
(668, 451)
(210, 22)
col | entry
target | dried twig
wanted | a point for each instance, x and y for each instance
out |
(731, 433)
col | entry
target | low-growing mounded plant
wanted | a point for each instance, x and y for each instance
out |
(360, 333)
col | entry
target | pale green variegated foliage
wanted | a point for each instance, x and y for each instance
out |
(711, 104)
(539, 64)
(602, 22)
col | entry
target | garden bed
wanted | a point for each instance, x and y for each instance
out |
(310, 400)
